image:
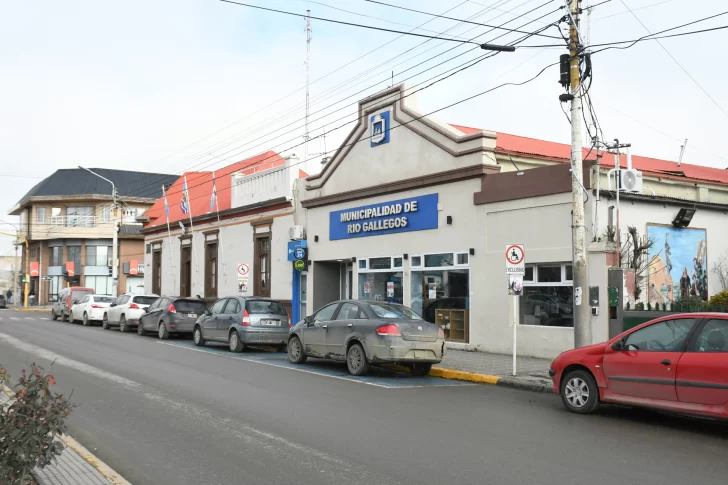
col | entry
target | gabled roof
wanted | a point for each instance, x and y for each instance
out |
(561, 152)
(68, 182)
(199, 185)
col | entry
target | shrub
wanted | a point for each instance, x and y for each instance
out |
(719, 301)
(690, 304)
(30, 424)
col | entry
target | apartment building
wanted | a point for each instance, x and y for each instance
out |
(69, 220)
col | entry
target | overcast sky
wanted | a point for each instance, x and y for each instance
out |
(133, 84)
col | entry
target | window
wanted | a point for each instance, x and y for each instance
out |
(106, 214)
(262, 266)
(40, 215)
(393, 311)
(188, 306)
(156, 304)
(74, 255)
(130, 215)
(56, 256)
(79, 216)
(668, 336)
(144, 300)
(218, 306)
(85, 299)
(438, 260)
(548, 295)
(157, 271)
(713, 337)
(56, 284)
(265, 307)
(380, 279)
(98, 255)
(380, 263)
(348, 311)
(416, 261)
(304, 295)
(397, 262)
(211, 270)
(326, 313)
(463, 259)
(362, 264)
(100, 284)
(102, 299)
(233, 307)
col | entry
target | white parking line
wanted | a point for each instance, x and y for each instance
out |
(29, 318)
(14, 318)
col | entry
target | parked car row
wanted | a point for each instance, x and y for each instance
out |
(360, 333)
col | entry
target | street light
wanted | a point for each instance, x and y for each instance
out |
(115, 237)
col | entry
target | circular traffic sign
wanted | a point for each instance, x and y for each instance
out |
(299, 253)
(299, 265)
(514, 254)
(243, 269)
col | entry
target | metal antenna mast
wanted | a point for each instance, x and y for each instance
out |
(308, 66)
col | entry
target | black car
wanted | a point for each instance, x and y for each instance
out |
(3, 302)
(171, 315)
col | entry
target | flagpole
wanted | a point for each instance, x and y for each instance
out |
(169, 235)
(219, 234)
(192, 228)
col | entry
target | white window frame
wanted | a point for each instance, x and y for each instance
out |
(391, 269)
(106, 214)
(38, 218)
(455, 255)
(535, 282)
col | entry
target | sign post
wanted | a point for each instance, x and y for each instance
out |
(243, 271)
(515, 271)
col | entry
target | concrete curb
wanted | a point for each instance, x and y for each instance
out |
(525, 384)
(84, 453)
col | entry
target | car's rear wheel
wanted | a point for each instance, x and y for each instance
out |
(197, 337)
(140, 328)
(579, 392)
(64, 317)
(236, 345)
(123, 327)
(419, 370)
(162, 332)
(105, 322)
(295, 351)
(85, 320)
(54, 317)
(356, 360)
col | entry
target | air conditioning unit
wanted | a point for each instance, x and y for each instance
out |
(111, 263)
(296, 233)
(630, 180)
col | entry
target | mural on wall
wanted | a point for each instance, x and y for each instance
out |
(678, 263)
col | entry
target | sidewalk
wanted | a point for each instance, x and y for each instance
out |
(532, 373)
(75, 466)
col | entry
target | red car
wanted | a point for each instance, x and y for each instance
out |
(676, 363)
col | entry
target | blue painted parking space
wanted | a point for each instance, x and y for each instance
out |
(378, 376)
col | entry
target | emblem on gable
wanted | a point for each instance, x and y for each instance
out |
(379, 128)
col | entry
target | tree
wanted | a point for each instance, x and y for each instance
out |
(720, 270)
(30, 424)
(634, 254)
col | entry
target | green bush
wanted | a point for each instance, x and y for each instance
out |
(690, 304)
(30, 424)
(719, 301)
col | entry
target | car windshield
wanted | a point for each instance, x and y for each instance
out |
(191, 306)
(264, 306)
(393, 311)
(145, 300)
(79, 294)
(103, 299)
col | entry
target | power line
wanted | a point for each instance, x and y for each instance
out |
(451, 18)
(351, 24)
(676, 61)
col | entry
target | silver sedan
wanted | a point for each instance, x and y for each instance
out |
(363, 333)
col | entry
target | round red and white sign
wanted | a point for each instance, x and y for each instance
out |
(243, 269)
(514, 254)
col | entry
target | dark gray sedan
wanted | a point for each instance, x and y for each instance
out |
(242, 321)
(171, 315)
(368, 332)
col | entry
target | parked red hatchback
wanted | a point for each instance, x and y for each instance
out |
(676, 363)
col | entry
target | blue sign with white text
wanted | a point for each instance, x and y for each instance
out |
(403, 215)
(295, 249)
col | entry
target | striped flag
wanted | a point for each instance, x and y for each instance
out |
(166, 205)
(213, 197)
(184, 204)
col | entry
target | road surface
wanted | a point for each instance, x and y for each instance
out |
(171, 414)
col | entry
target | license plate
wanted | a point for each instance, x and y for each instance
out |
(270, 323)
(192, 315)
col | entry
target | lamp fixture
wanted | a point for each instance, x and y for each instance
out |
(683, 218)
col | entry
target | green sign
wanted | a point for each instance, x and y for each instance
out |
(299, 264)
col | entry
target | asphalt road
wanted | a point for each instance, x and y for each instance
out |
(166, 414)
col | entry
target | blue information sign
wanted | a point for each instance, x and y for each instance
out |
(293, 247)
(402, 215)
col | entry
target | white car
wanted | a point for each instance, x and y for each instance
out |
(90, 308)
(127, 310)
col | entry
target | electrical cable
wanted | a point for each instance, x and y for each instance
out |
(449, 18)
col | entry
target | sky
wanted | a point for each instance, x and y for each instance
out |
(177, 85)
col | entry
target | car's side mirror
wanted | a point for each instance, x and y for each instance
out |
(113, 304)
(146, 310)
(208, 312)
(309, 321)
(75, 302)
(618, 345)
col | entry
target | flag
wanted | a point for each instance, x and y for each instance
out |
(213, 197)
(166, 205)
(185, 202)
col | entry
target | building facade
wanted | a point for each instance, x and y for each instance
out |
(69, 220)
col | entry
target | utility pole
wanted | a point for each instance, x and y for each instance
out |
(582, 314)
(308, 69)
(115, 235)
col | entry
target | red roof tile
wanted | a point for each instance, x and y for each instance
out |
(548, 150)
(199, 185)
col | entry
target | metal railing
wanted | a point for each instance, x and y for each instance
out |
(72, 221)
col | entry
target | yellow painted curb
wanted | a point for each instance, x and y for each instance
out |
(464, 376)
(28, 310)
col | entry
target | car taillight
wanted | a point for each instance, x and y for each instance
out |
(171, 308)
(96, 306)
(390, 330)
(289, 320)
(246, 319)
(134, 306)
(440, 333)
